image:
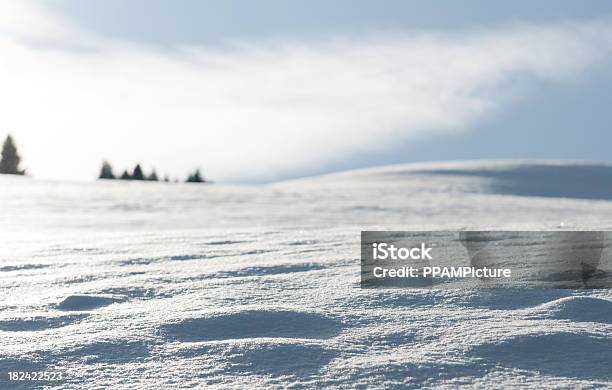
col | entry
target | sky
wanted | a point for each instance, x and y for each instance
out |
(257, 92)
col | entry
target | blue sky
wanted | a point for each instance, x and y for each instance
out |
(527, 108)
(215, 22)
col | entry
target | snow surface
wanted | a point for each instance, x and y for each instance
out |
(153, 285)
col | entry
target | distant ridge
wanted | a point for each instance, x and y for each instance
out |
(541, 178)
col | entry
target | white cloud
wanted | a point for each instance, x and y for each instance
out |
(260, 109)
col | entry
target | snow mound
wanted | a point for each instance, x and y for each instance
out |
(287, 358)
(107, 351)
(573, 355)
(87, 302)
(581, 309)
(254, 324)
(39, 323)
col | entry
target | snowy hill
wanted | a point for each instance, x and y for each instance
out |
(559, 179)
(148, 285)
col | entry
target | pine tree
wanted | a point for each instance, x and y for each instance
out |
(9, 164)
(106, 172)
(125, 176)
(153, 176)
(195, 177)
(137, 174)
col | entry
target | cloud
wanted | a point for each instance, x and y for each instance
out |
(261, 110)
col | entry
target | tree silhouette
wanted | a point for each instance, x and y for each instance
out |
(9, 164)
(195, 177)
(106, 172)
(153, 176)
(138, 174)
(125, 176)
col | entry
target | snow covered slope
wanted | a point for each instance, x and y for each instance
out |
(153, 285)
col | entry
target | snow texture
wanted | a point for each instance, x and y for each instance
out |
(154, 285)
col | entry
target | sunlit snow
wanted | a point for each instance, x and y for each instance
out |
(155, 285)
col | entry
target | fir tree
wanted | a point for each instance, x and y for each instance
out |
(195, 177)
(106, 172)
(137, 174)
(153, 176)
(9, 164)
(125, 176)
